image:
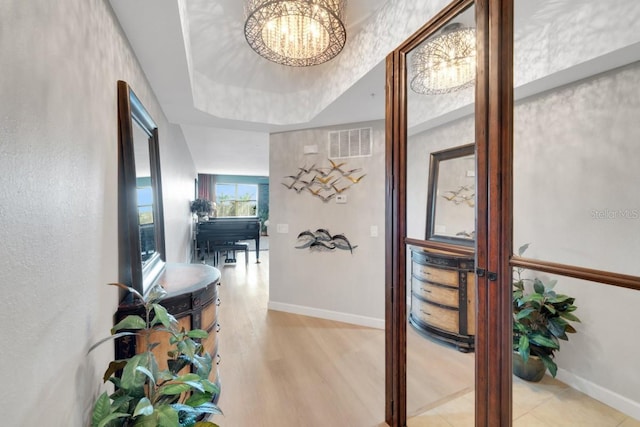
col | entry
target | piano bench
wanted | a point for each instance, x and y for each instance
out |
(231, 247)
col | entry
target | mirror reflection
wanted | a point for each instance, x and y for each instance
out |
(144, 191)
(440, 204)
(452, 196)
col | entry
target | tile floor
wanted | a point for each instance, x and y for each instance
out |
(544, 404)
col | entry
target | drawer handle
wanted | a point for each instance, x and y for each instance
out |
(426, 290)
(218, 302)
(428, 314)
(219, 359)
(218, 327)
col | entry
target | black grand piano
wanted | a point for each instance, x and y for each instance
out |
(223, 235)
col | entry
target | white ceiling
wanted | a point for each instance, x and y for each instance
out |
(227, 99)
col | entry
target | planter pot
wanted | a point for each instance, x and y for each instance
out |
(532, 371)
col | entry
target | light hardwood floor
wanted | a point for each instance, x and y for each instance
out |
(284, 370)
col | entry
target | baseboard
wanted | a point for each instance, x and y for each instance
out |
(604, 395)
(354, 319)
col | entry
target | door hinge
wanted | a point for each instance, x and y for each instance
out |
(492, 276)
(480, 272)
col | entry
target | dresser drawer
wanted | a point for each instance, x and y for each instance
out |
(435, 293)
(436, 275)
(439, 317)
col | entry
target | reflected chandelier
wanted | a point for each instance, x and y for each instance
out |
(447, 63)
(299, 33)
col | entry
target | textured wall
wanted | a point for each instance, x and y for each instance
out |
(58, 205)
(338, 284)
(576, 202)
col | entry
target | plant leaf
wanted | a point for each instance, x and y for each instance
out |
(197, 333)
(144, 407)
(167, 416)
(127, 288)
(173, 389)
(148, 373)
(205, 424)
(110, 337)
(147, 420)
(113, 416)
(523, 248)
(197, 399)
(131, 377)
(114, 366)
(569, 316)
(543, 341)
(538, 286)
(524, 313)
(550, 365)
(101, 409)
(209, 408)
(130, 322)
(156, 293)
(523, 347)
(167, 320)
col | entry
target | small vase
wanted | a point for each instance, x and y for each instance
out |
(532, 371)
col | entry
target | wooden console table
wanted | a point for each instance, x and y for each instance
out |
(193, 300)
(443, 297)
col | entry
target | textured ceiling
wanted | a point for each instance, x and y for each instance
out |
(227, 99)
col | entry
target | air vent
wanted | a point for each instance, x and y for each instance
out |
(350, 143)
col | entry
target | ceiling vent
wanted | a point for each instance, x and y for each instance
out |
(350, 143)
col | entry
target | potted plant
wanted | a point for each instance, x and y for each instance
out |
(146, 395)
(540, 319)
(201, 206)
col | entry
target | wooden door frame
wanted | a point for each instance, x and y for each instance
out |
(493, 115)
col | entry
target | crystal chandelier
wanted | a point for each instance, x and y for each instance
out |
(447, 63)
(299, 33)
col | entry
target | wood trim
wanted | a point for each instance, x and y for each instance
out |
(506, 89)
(393, 346)
(434, 24)
(482, 220)
(440, 246)
(500, 127)
(592, 275)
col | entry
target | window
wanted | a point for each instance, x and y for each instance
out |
(237, 199)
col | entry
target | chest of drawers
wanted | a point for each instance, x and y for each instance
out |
(443, 297)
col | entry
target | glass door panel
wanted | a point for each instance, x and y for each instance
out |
(440, 184)
(576, 208)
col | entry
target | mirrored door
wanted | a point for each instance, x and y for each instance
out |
(440, 218)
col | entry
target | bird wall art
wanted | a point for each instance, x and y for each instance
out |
(324, 182)
(323, 240)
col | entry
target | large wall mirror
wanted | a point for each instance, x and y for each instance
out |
(141, 224)
(452, 196)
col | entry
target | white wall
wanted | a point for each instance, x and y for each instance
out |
(575, 156)
(58, 201)
(336, 285)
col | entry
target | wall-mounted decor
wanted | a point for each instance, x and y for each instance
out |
(140, 215)
(324, 182)
(452, 195)
(323, 240)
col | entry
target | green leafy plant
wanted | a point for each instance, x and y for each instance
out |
(540, 318)
(201, 205)
(146, 395)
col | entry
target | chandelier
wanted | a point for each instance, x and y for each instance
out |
(447, 63)
(299, 33)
